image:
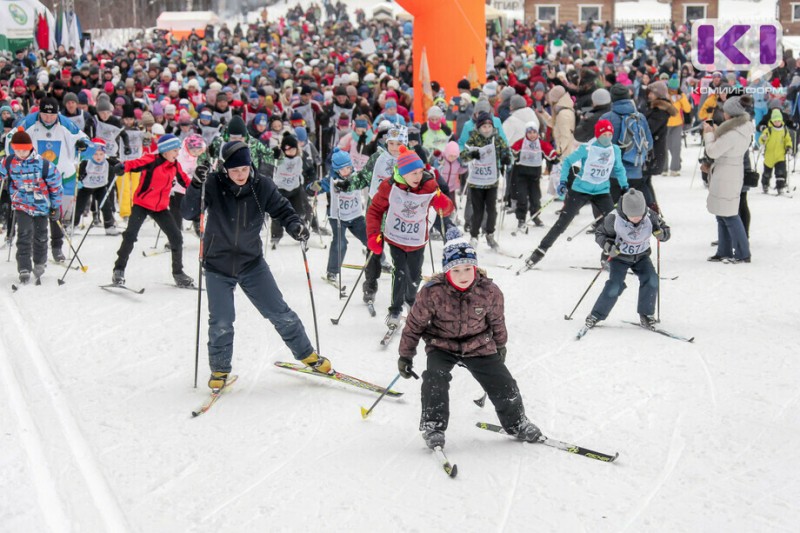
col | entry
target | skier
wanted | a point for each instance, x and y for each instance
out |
(777, 145)
(486, 153)
(599, 161)
(292, 170)
(624, 236)
(528, 154)
(460, 314)
(404, 200)
(94, 175)
(159, 171)
(237, 199)
(35, 189)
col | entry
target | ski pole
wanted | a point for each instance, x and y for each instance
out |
(335, 321)
(155, 246)
(303, 246)
(199, 279)
(595, 221)
(86, 233)
(365, 412)
(658, 267)
(433, 265)
(539, 212)
(69, 241)
(338, 253)
(569, 317)
(10, 234)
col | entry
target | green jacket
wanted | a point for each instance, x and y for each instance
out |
(477, 140)
(260, 155)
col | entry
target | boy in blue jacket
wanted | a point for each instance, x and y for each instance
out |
(35, 188)
(599, 161)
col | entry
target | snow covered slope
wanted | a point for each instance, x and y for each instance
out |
(96, 394)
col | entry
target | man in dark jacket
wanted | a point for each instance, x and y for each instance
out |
(237, 199)
(658, 112)
(601, 104)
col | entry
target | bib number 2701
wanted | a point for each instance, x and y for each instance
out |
(406, 227)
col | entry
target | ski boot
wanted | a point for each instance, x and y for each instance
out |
(38, 271)
(318, 363)
(536, 256)
(591, 321)
(275, 241)
(58, 255)
(118, 277)
(217, 380)
(765, 188)
(434, 438)
(24, 276)
(648, 321)
(182, 280)
(332, 278)
(386, 268)
(393, 320)
(491, 242)
(538, 222)
(528, 431)
(112, 231)
(473, 241)
(521, 226)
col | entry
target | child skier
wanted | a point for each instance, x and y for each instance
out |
(404, 200)
(35, 188)
(599, 161)
(486, 153)
(292, 169)
(152, 198)
(777, 144)
(624, 236)
(346, 213)
(237, 199)
(94, 175)
(192, 148)
(528, 154)
(460, 314)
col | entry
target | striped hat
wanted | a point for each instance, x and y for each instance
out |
(168, 142)
(408, 161)
(457, 250)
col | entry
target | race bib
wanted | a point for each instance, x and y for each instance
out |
(346, 206)
(96, 175)
(407, 218)
(632, 238)
(383, 170)
(531, 154)
(483, 171)
(288, 173)
(598, 165)
(109, 134)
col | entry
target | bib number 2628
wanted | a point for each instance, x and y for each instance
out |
(406, 227)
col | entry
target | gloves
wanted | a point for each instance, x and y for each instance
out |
(437, 153)
(276, 152)
(266, 136)
(404, 366)
(342, 185)
(562, 188)
(119, 169)
(314, 186)
(505, 161)
(501, 351)
(442, 203)
(610, 248)
(81, 145)
(663, 234)
(54, 215)
(475, 154)
(128, 150)
(623, 190)
(375, 244)
(298, 231)
(200, 175)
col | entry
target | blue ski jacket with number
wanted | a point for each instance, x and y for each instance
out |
(580, 185)
(31, 190)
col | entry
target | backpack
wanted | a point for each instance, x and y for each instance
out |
(633, 141)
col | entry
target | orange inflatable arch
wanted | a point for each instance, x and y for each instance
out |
(453, 34)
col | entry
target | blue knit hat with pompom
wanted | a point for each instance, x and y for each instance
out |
(340, 159)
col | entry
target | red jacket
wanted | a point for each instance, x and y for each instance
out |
(380, 204)
(155, 183)
(547, 148)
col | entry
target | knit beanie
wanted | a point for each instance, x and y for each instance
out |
(288, 141)
(48, 105)
(483, 118)
(457, 250)
(776, 116)
(556, 93)
(408, 161)
(483, 106)
(633, 204)
(340, 159)
(239, 158)
(674, 83)
(507, 93)
(517, 102)
(237, 126)
(451, 149)
(70, 97)
(539, 87)
(733, 107)
(603, 126)
(659, 88)
(104, 105)
(261, 119)
(148, 119)
(601, 97)
(619, 92)
(397, 133)
(21, 140)
(435, 113)
(168, 142)
(301, 133)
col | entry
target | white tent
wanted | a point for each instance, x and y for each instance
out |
(186, 21)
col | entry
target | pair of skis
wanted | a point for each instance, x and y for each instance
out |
(584, 330)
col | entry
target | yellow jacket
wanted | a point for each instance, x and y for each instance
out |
(776, 142)
(681, 103)
(707, 111)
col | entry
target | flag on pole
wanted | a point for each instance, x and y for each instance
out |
(425, 81)
(472, 75)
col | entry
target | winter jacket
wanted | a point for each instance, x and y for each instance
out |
(683, 107)
(476, 140)
(469, 127)
(776, 143)
(56, 143)
(469, 323)
(451, 172)
(583, 186)
(380, 204)
(727, 147)
(232, 240)
(29, 192)
(584, 131)
(155, 183)
(606, 232)
(259, 153)
(658, 114)
(514, 125)
(619, 112)
(548, 152)
(563, 124)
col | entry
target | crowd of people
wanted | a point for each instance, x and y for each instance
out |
(275, 117)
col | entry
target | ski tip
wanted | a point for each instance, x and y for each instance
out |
(84, 268)
(61, 282)
(195, 414)
(453, 471)
(690, 340)
(567, 317)
(334, 321)
(364, 413)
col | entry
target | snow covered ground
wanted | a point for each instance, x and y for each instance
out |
(97, 393)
